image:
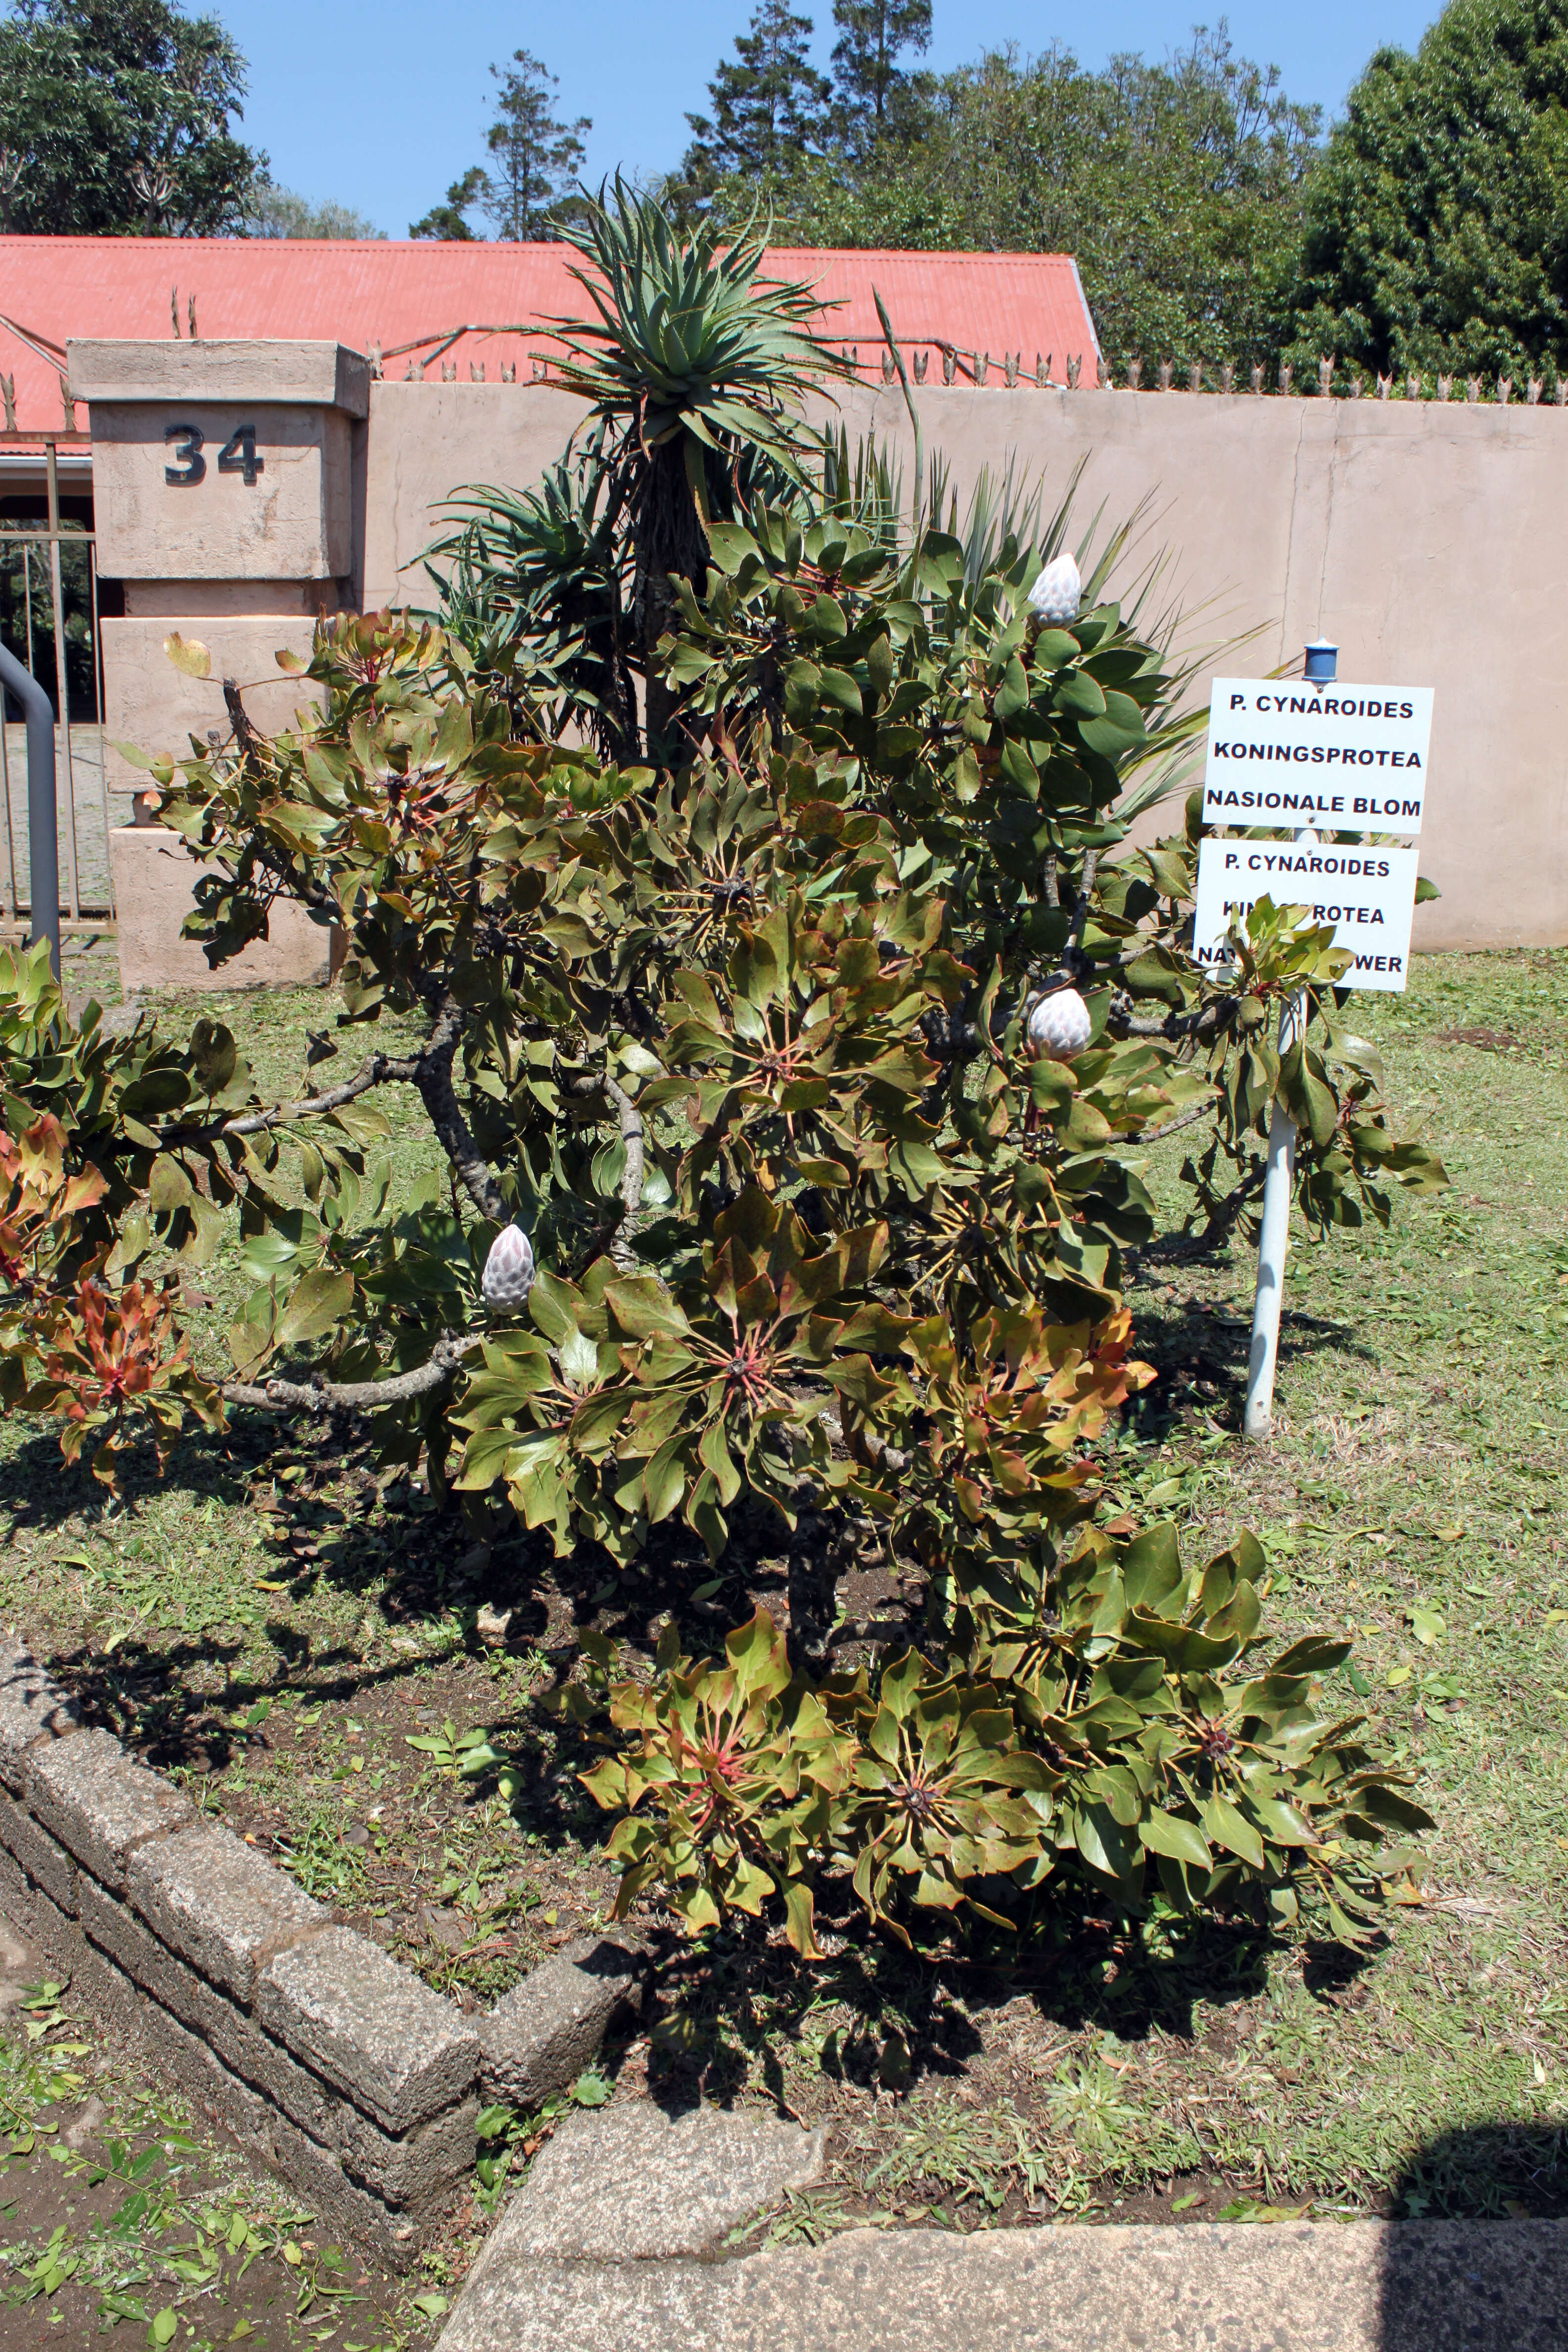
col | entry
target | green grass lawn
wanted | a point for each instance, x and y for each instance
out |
(276, 1628)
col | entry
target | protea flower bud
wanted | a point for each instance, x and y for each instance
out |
(1058, 592)
(508, 1269)
(1058, 1025)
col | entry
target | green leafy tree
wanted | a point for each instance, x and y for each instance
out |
(872, 92)
(1437, 221)
(449, 222)
(273, 211)
(117, 120)
(771, 1194)
(535, 156)
(1178, 186)
(768, 104)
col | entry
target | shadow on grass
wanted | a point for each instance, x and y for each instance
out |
(1498, 2282)
(1199, 1347)
(729, 2003)
(1491, 2173)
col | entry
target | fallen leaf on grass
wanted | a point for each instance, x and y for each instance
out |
(1245, 2208)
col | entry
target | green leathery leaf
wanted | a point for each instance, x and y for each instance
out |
(1281, 1822)
(643, 1309)
(664, 1480)
(1182, 1839)
(1232, 1830)
(838, 687)
(1080, 694)
(317, 1304)
(1103, 1842)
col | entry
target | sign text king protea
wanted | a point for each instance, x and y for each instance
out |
(1346, 759)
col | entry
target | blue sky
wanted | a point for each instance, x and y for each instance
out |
(382, 106)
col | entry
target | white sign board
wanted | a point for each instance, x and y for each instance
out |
(1347, 759)
(1368, 894)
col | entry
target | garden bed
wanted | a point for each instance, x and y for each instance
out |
(274, 1631)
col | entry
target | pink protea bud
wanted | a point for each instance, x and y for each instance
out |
(1060, 1025)
(1058, 592)
(508, 1269)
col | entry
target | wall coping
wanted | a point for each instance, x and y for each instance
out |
(139, 370)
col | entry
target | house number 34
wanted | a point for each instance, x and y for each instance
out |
(237, 455)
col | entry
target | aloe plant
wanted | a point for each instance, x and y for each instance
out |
(699, 363)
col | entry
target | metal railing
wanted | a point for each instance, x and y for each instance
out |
(91, 910)
(43, 809)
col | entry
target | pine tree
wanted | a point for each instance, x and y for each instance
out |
(537, 157)
(449, 222)
(768, 108)
(871, 88)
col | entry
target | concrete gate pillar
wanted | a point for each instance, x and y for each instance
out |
(226, 497)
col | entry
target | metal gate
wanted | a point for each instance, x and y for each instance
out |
(56, 571)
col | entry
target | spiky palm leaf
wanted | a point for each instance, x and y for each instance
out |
(690, 339)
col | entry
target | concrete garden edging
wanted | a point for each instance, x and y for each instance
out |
(324, 2058)
(615, 2241)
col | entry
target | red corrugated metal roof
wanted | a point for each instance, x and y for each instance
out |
(393, 294)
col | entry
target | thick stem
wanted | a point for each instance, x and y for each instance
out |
(356, 1396)
(632, 1174)
(433, 1076)
(381, 1070)
(1080, 908)
(615, 1234)
(1216, 1233)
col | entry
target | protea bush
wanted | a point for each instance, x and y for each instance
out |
(796, 1017)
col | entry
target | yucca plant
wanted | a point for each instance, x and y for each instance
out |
(698, 364)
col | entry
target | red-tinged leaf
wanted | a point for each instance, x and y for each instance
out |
(643, 1309)
(1010, 1471)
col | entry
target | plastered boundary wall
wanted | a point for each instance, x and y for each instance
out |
(1428, 540)
(329, 2063)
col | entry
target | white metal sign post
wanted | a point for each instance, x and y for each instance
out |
(1311, 752)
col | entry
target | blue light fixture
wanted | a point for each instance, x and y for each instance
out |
(1323, 661)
